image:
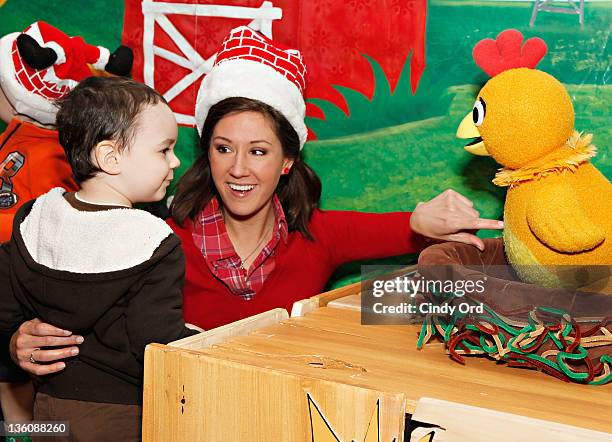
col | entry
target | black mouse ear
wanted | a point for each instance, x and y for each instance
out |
(120, 62)
(33, 54)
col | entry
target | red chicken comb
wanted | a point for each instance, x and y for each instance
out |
(506, 52)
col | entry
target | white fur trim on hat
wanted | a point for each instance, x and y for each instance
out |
(250, 79)
(21, 99)
(59, 51)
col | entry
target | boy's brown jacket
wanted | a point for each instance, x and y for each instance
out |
(117, 312)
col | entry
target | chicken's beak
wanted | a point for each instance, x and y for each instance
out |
(467, 129)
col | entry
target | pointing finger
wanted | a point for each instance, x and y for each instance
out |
(483, 223)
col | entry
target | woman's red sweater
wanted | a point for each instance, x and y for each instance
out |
(302, 266)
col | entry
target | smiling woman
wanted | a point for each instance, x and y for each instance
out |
(246, 193)
(246, 170)
(246, 212)
(250, 154)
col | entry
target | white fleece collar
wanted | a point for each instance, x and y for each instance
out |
(61, 237)
(83, 200)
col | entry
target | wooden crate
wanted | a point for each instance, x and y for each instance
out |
(325, 377)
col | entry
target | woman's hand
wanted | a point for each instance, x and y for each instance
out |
(26, 346)
(451, 217)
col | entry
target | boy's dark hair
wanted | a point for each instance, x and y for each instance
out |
(99, 109)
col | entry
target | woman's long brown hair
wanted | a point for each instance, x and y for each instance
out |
(299, 192)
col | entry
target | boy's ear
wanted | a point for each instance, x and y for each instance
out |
(107, 157)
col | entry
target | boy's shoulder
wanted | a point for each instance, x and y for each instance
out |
(64, 238)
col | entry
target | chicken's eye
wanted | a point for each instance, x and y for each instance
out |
(479, 111)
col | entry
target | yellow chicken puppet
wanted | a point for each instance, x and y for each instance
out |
(558, 209)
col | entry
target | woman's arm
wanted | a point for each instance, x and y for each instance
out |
(31, 335)
(350, 236)
(161, 293)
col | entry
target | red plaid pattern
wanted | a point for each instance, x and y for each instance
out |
(210, 236)
(245, 44)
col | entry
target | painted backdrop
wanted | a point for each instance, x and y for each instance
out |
(376, 145)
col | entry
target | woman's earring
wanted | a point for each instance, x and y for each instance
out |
(285, 171)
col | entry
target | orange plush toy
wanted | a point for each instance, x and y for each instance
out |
(37, 67)
(558, 211)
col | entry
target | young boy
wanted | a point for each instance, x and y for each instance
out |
(38, 66)
(89, 262)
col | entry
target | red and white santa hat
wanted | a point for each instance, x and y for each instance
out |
(251, 65)
(32, 92)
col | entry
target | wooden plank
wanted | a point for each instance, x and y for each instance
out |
(238, 328)
(193, 396)
(325, 298)
(350, 302)
(300, 308)
(459, 422)
(261, 371)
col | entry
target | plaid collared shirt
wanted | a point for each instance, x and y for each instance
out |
(210, 236)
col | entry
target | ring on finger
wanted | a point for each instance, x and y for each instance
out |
(32, 360)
